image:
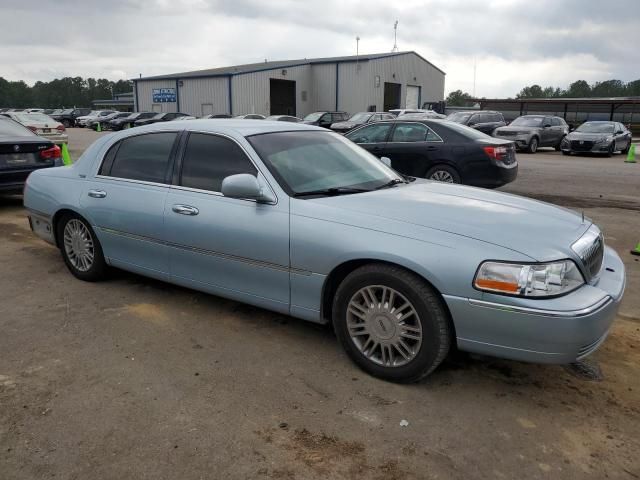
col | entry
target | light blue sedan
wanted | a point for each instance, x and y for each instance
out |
(301, 221)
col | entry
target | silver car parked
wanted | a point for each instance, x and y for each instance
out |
(532, 131)
(300, 220)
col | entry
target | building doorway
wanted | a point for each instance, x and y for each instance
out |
(392, 94)
(282, 97)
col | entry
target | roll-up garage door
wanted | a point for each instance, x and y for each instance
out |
(413, 96)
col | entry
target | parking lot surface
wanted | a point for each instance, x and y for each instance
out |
(135, 378)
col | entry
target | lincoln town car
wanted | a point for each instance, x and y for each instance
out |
(299, 220)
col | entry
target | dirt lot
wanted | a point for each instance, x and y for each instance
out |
(134, 378)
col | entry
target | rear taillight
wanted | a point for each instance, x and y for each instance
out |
(496, 153)
(33, 129)
(60, 128)
(49, 153)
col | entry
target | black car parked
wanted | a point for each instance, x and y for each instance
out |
(22, 152)
(159, 117)
(325, 119)
(440, 150)
(597, 137)
(485, 121)
(127, 122)
(68, 116)
(360, 118)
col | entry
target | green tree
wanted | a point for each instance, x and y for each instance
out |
(458, 98)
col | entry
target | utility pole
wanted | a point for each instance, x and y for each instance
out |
(395, 37)
(357, 53)
(474, 78)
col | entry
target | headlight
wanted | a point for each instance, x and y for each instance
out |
(605, 140)
(529, 280)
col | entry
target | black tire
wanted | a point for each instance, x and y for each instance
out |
(533, 145)
(98, 269)
(66, 123)
(428, 304)
(566, 153)
(443, 169)
(557, 147)
(611, 150)
(626, 149)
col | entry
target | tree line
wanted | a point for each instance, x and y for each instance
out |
(64, 92)
(578, 89)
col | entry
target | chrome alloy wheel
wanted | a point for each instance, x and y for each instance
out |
(78, 245)
(384, 326)
(442, 176)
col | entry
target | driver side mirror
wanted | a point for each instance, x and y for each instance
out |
(386, 161)
(245, 186)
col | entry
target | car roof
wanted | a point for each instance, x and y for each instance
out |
(231, 126)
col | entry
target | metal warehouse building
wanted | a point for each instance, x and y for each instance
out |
(377, 82)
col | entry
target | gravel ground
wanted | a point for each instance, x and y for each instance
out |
(134, 378)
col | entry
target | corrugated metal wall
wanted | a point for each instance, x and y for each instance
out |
(323, 81)
(145, 98)
(202, 96)
(315, 87)
(251, 90)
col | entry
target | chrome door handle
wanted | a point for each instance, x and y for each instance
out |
(185, 210)
(97, 193)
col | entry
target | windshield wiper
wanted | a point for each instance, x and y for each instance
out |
(331, 191)
(391, 183)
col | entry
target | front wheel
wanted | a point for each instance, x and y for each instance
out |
(66, 123)
(611, 150)
(391, 323)
(533, 145)
(443, 173)
(80, 248)
(626, 149)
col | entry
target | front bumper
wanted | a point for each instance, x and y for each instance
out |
(557, 330)
(522, 141)
(591, 147)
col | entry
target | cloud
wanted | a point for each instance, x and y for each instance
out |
(513, 42)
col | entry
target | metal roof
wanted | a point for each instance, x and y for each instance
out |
(609, 100)
(276, 64)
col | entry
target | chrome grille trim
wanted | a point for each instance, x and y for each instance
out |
(590, 249)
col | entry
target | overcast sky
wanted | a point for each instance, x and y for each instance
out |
(513, 42)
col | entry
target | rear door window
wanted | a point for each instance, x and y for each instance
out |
(142, 157)
(410, 132)
(209, 159)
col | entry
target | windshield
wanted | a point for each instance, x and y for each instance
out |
(527, 122)
(309, 161)
(466, 131)
(312, 117)
(595, 127)
(459, 117)
(159, 115)
(360, 117)
(67, 111)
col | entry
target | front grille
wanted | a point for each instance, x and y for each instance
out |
(581, 145)
(590, 249)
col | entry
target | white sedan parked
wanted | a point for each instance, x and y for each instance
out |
(42, 125)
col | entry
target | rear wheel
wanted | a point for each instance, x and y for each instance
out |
(391, 323)
(443, 173)
(533, 145)
(66, 123)
(80, 248)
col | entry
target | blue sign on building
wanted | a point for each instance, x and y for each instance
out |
(164, 95)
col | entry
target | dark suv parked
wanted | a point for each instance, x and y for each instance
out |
(68, 116)
(159, 117)
(485, 121)
(127, 122)
(532, 131)
(325, 119)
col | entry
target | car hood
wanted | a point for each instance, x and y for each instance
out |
(515, 128)
(536, 229)
(593, 137)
